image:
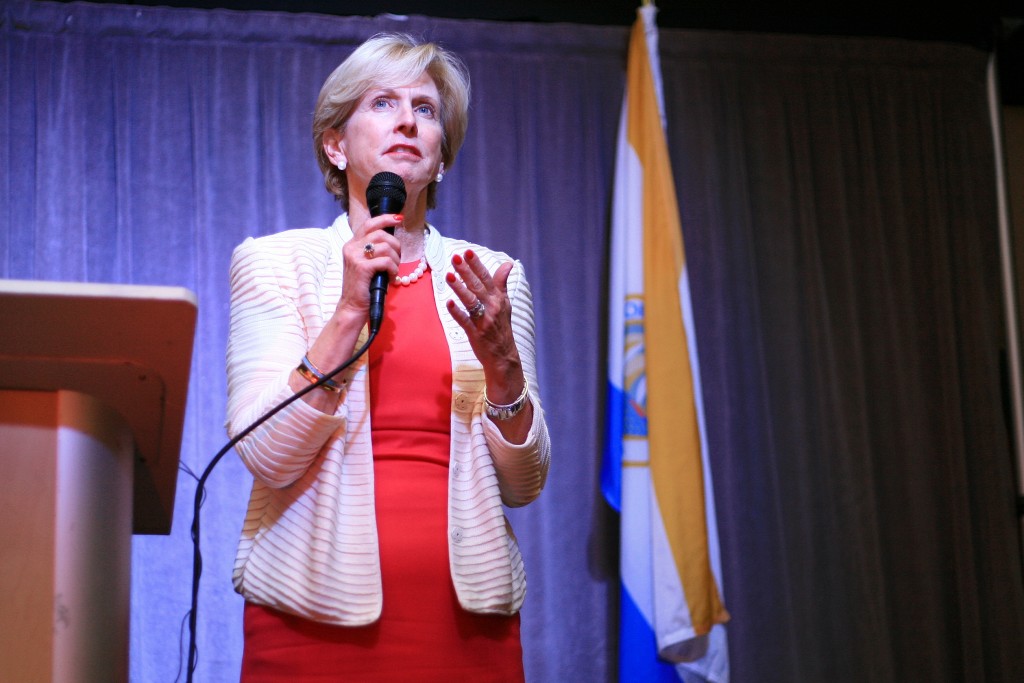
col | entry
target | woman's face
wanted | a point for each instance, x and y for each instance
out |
(395, 129)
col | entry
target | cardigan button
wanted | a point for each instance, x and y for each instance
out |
(462, 403)
(457, 535)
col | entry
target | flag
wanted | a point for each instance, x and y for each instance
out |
(655, 469)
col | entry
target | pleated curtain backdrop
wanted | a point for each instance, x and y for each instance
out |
(839, 213)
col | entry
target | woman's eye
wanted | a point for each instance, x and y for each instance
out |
(380, 103)
(426, 110)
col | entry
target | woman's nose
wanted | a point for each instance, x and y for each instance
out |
(406, 119)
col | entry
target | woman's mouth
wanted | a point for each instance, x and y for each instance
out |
(404, 150)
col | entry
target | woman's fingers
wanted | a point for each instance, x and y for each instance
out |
(473, 282)
(471, 291)
(376, 232)
(372, 249)
(500, 277)
(381, 222)
(464, 294)
(373, 245)
(485, 312)
(366, 258)
(478, 280)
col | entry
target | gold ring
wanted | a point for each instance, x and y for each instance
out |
(368, 250)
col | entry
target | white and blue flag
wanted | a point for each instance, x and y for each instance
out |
(655, 469)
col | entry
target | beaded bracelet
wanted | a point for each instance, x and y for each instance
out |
(313, 375)
(505, 412)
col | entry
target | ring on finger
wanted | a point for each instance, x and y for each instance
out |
(368, 250)
(476, 310)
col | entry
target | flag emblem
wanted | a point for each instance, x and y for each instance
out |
(635, 409)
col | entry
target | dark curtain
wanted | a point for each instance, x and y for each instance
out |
(841, 195)
(839, 217)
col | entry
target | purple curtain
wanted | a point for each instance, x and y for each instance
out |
(839, 216)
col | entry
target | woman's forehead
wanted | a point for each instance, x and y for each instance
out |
(420, 81)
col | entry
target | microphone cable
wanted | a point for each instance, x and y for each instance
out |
(197, 558)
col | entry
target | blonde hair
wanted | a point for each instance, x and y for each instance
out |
(389, 59)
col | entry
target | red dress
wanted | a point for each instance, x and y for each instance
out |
(423, 634)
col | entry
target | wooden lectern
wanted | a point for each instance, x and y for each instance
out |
(93, 381)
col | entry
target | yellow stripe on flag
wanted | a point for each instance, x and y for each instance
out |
(673, 432)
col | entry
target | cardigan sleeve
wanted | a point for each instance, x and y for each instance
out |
(266, 341)
(522, 468)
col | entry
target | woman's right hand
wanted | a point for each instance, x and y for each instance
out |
(372, 249)
(337, 339)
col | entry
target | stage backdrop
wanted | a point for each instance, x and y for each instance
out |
(839, 216)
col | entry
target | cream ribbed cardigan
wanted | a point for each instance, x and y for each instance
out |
(309, 540)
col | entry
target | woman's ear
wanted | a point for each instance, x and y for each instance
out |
(332, 147)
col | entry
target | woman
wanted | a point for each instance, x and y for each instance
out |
(375, 547)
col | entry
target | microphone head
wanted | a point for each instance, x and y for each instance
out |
(385, 193)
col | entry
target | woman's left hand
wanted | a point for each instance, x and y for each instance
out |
(486, 316)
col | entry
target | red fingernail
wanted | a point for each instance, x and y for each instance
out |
(399, 217)
(457, 260)
(450, 277)
(469, 254)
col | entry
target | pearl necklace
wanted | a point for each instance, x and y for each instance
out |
(415, 275)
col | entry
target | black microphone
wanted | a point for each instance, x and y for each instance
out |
(384, 194)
